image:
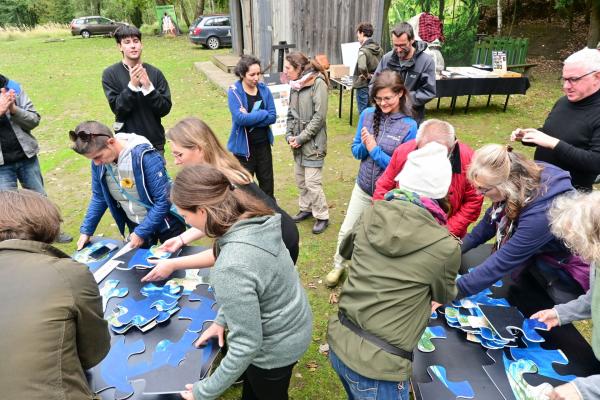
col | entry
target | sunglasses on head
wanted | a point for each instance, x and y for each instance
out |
(84, 136)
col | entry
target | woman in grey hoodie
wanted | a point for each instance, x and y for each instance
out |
(575, 219)
(262, 303)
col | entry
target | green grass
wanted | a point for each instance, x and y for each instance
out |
(63, 80)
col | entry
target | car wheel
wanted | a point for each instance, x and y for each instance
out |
(213, 42)
(85, 34)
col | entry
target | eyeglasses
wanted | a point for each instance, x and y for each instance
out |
(84, 136)
(387, 99)
(576, 79)
(483, 191)
(177, 155)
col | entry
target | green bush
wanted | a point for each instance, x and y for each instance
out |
(150, 29)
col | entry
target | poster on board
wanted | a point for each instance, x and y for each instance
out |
(281, 97)
(350, 55)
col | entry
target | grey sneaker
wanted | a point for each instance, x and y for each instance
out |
(64, 238)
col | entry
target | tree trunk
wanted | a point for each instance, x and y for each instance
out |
(442, 5)
(184, 13)
(385, 29)
(570, 15)
(136, 17)
(594, 32)
(499, 7)
(199, 8)
(588, 11)
(514, 18)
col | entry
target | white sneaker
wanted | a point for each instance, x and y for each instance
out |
(333, 277)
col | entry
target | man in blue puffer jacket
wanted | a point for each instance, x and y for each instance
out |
(128, 178)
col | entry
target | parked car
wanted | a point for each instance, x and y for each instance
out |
(94, 25)
(212, 31)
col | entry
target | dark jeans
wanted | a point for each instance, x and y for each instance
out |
(260, 163)
(27, 172)
(362, 99)
(266, 384)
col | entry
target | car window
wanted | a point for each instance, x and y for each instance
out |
(211, 22)
(226, 22)
(104, 21)
(79, 21)
(92, 21)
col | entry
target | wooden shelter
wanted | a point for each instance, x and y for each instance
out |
(314, 26)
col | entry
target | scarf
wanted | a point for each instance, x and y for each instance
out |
(504, 226)
(305, 80)
(424, 202)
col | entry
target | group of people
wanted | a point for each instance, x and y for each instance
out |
(417, 191)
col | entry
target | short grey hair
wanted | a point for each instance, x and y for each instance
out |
(575, 218)
(436, 130)
(589, 58)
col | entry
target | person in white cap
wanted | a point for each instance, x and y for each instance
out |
(403, 258)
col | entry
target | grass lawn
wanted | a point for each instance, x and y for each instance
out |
(63, 79)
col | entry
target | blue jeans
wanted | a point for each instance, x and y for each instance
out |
(362, 99)
(359, 387)
(27, 172)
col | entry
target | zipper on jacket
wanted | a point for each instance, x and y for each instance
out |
(373, 168)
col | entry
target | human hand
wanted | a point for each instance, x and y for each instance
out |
(213, 330)
(144, 78)
(5, 101)
(187, 394)
(135, 74)
(364, 134)
(173, 244)
(161, 271)
(135, 241)
(538, 138)
(243, 110)
(549, 317)
(293, 143)
(435, 305)
(565, 392)
(83, 240)
(517, 135)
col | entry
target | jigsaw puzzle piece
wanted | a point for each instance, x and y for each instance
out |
(521, 389)
(497, 374)
(543, 359)
(109, 290)
(457, 389)
(199, 315)
(434, 332)
(433, 315)
(529, 327)
(502, 319)
(138, 313)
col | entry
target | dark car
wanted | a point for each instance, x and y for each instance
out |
(212, 31)
(88, 26)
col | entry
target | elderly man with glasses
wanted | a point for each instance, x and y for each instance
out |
(570, 137)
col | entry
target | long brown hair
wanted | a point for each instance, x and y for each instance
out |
(27, 215)
(207, 188)
(392, 80)
(298, 59)
(192, 133)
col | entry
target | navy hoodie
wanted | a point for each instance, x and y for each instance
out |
(531, 235)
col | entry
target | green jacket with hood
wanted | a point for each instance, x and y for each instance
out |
(369, 55)
(402, 259)
(262, 303)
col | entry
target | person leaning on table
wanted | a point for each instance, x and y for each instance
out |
(53, 326)
(576, 220)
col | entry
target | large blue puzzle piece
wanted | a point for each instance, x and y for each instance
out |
(461, 389)
(529, 327)
(431, 332)
(481, 298)
(94, 255)
(140, 259)
(109, 290)
(199, 315)
(521, 389)
(543, 359)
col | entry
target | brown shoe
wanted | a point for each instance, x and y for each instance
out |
(301, 216)
(320, 226)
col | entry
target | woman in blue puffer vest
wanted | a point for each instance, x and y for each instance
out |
(380, 130)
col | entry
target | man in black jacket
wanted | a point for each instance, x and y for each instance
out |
(570, 137)
(138, 93)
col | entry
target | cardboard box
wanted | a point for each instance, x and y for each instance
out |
(338, 70)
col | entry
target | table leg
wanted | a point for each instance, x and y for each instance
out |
(489, 98)
(506, 102)
(438, 104)
(351, 104)
(468, 102)
(452, 105)
(340, 105)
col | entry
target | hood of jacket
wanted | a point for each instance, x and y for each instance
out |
(130, 140)
(261, 232)
(372, 47)
(554, 182)
(397, 228)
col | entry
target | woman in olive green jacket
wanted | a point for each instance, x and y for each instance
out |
(307, 135)
(53, 327)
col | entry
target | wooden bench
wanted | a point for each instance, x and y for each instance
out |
(515, 48)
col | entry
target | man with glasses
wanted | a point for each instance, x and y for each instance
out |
(128, 178)
(18, 147)
(138, 93)
(570, 137)
(465, 202)
(416, 67)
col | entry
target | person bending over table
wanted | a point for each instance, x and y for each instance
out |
(521, 192)
(260, 296)
(193, 142)
(575, 219)
(54, 327)
(128, 178)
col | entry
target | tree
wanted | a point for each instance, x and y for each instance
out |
(499, 7)
(18, 12)
(594, 32)
(199, 8)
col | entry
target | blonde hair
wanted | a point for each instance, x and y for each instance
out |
(575, 218)
(514, 175)
(192, 133)
(28, 215)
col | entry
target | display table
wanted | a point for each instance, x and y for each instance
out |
(465, 361)
(347, 86)
(162, 358)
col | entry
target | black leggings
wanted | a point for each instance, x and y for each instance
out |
(260, 163)
(266, 384)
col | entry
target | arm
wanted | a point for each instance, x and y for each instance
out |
(270, 105)
(240, 118)
(529, 237)
(587, 160)
(481, 233)
(359, 151)
(25, 114)
(319, 117)
(93, 339)
(426, 90)
(443, 287)
(238, 299)
(361, 65)
(96, 207)
(575, 310)
(588, 388)
(468, 211)
(159, 99)
(165, 268)
(347, 243)
(120, 100)
(157, 184)
(386, 181)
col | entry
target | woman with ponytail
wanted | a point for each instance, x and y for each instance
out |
(380, 130)
(307, 135)
(261, 301)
